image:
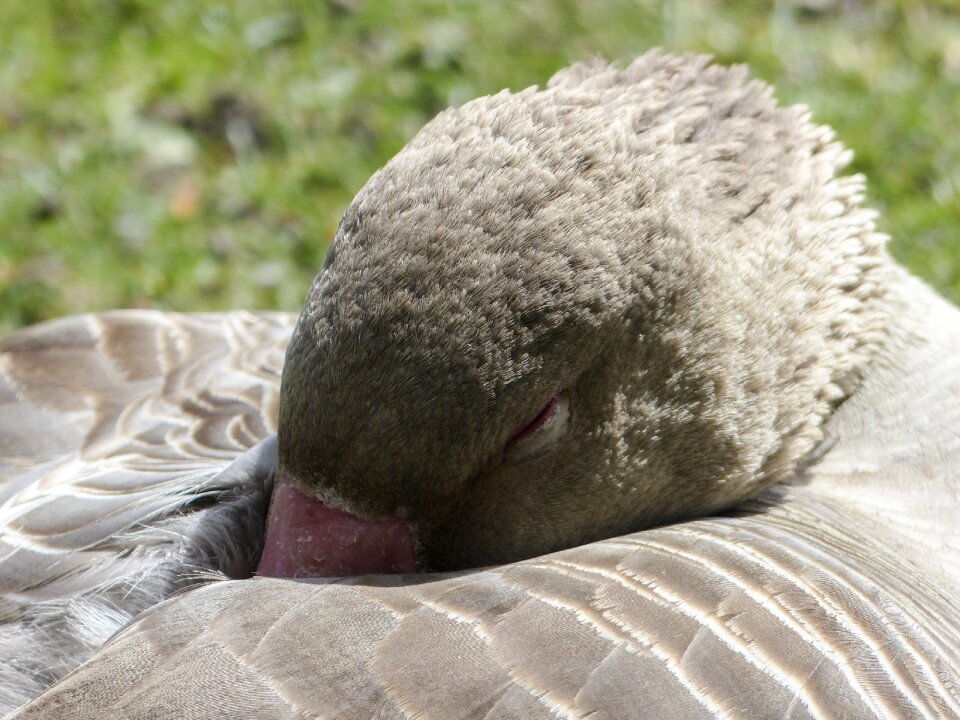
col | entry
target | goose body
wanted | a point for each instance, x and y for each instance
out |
(793, 417)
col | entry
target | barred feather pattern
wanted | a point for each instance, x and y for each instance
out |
(119, 438)
(781, 613)
(136, 448)
(806, 602)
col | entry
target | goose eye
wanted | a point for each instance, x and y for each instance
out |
(542, 433)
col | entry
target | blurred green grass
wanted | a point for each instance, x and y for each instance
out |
(197, 155)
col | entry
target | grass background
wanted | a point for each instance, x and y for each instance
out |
(197, 155)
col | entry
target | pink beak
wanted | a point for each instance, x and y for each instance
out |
(308, 538)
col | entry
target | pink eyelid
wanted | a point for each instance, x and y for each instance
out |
(536, 423)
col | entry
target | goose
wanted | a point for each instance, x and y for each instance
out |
(607, 402)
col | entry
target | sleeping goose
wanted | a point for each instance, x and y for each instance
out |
(607, 403)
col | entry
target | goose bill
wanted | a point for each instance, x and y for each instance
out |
(308, 538)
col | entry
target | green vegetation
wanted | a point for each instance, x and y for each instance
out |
(197, 155)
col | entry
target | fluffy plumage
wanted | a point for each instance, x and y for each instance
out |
(676, 256)
(662, 243)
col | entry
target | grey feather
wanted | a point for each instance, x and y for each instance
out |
(740, 355)
(119, 475)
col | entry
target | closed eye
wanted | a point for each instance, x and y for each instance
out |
(542, 433)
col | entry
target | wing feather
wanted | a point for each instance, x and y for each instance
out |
(725, 617)
(796, 607)
(116, 433)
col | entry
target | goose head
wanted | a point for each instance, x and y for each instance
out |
(564, 314)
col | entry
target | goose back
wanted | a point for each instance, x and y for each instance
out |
(808, 601)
